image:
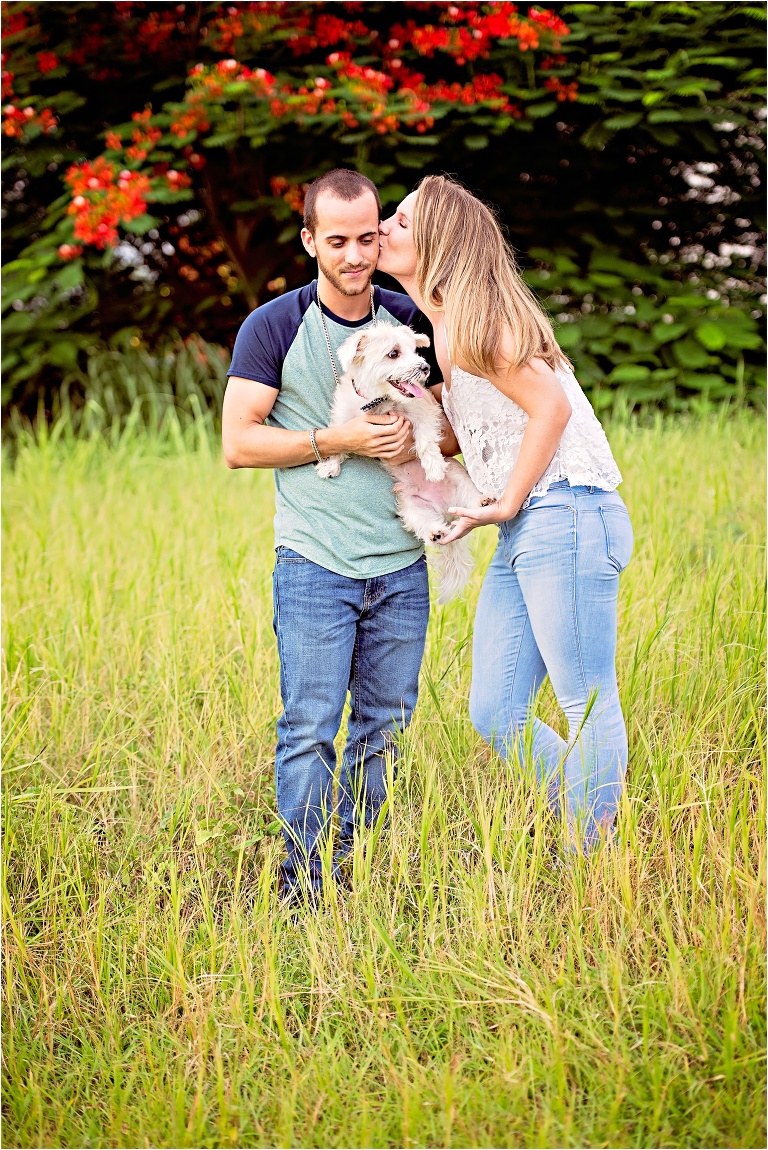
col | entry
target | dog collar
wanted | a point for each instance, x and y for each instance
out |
(372, 404)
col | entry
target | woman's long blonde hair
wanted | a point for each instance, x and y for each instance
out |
(467, 270)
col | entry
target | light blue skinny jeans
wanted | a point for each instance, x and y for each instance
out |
(548, 607)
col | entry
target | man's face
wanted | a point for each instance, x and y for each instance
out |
(346, 241)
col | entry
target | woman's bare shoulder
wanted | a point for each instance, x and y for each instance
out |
(535, 368)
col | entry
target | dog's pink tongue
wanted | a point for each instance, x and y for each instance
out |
(414, 389)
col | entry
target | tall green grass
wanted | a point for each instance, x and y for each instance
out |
(468, 991)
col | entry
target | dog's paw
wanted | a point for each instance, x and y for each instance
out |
(488, 501)
(436, 536)
(329, 468)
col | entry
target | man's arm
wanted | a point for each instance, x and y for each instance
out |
(248, 442)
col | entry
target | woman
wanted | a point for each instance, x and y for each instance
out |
(530, 439)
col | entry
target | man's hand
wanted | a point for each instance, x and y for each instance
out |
(376, 436)
(408, 452)
(449, 445)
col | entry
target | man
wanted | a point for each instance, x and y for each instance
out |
(351, 601)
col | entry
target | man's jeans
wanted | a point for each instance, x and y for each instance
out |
(548, 607)
(334, 635)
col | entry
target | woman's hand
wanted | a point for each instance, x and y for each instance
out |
(536, 388)
(470, 518)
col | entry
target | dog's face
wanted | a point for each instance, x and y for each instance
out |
(383, 362)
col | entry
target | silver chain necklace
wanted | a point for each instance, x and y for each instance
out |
(374, 321)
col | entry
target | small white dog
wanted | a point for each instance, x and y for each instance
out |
(382, 370)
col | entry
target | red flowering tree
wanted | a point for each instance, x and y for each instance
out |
(157, 154)
(366, 92)
(228, 112)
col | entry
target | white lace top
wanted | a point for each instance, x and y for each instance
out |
(489, 427)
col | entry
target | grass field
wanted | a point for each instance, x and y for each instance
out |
(469, 992)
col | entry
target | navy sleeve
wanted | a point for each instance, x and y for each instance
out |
(403, 308)
(266, 335)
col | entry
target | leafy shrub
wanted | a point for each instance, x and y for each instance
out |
(632, 332)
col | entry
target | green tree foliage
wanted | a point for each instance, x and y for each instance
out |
(156, 157)
(643, 206)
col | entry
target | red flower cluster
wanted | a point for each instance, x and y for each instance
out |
(307, 31)
(327, 31)
(484, 89)
(259, 78)
(194, 159)
(194, 119)
(8, 78)
(370, 90)
(209, 78)
(176, 179)
(549, 62)
(104, 197)
(226, 30)
(257, 17)
(293, 194)
(18, 121)
(200, 255)
(70, 251)
(208, 83)
(364, 80)
(426, 40)
(303, 101)
(550, 21)
(47, 61)
(527, 37)
(14, 19)
(563, 91)
(156, 31)
(467, 34)
(144, 136)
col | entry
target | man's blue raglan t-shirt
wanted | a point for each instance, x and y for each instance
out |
(349, 524)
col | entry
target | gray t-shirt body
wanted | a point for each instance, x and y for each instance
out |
(349, 524)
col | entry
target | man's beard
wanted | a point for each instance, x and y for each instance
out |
(357, 287)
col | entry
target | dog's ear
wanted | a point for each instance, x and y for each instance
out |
(352, 349)
(422, 340)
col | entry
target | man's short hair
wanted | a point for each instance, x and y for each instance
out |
(342, 183)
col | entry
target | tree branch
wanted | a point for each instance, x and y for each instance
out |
(251, 298)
